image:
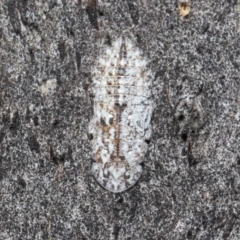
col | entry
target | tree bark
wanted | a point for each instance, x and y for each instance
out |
(190, 186)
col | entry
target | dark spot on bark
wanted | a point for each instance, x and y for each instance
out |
(119, 197)
(159, 74)
(2, 171)
(78, 59)
(69, 153)
(184, 137)
(142, 164)
(91, 10)
(195, 115)
(55, 123)
(21, 181)
(116, 230)
(22, 6)
(200, 48)
(15, 122)
(57, 159)
(12, 12)
(33, 144)
(35, 120)
(139, 38)
(31, 53)
(147, 141)
(100, 13)
(133, 11)
(28, 115)
(52, 4)
(184, 152)
(228, 228)
(184, 78)
(41, 163)
(71, 32)
(189, 234)
(181, 117)
(61, 49)
(205, 27)
(191, 160)
(6, 118)
(2, 135)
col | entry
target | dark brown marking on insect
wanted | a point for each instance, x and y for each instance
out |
(106, 175)
(106, 134)
(122, 54)
(123, 50)
(184, 5)
(106, 128)
(126, 175)
(102, 70)
(110, 121)
(116, 163)
(102, 121)
(119, 108)
(143, 73)
(98, 154)
(90, 136)
(121, 71)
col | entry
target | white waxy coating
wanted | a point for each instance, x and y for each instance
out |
(123, 107)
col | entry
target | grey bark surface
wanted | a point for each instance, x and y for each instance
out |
(190, 187)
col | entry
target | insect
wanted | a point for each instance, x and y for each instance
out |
(184, 8)
(120, 128)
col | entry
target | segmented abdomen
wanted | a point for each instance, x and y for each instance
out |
(122, 113)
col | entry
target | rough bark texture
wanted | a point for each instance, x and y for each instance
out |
(190, 187)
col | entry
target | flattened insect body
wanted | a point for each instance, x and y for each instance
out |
(123, 107)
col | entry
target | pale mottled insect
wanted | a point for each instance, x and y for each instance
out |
(120, 128)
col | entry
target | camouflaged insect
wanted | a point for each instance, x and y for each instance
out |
(120, 128)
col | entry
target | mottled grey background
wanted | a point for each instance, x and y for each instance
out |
(190, 187)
